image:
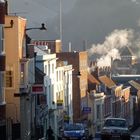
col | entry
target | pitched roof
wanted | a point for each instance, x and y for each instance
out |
(107, 81)
(92, 79)
(135, 84)
(39, 76)
(38, 71)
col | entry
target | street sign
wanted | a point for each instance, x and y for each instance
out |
(86, 109)
(37, 89)
(59, 104)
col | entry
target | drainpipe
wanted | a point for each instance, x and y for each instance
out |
(2, 51)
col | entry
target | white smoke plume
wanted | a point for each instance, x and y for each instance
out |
(135, 1)
(105, 60)
(138, 22)
(110, 47)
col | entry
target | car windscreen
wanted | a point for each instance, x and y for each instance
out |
(116, 123)
(73, 127)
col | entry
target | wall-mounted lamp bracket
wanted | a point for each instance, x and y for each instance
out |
(11, 24)
(38, 28)
(21, 94)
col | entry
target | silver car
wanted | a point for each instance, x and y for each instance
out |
(115, 128)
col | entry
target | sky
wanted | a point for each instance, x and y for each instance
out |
(88, 22)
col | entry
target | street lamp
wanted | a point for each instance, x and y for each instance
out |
(28, 39)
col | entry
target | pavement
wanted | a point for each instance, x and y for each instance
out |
(136, 132)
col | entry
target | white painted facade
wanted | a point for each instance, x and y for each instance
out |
(60, 96)
(46, 62)
(68, 92)
(96, 117)
(98, 110)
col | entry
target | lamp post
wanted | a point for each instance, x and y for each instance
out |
(28, 40)
(25, 97)
(16, 112)
(11, 121)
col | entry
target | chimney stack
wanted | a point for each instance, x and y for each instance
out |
(69, 46)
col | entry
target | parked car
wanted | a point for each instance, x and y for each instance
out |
(135, 137)
(74, 131)
(116, 128)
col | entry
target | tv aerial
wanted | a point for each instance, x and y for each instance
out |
(17, 13)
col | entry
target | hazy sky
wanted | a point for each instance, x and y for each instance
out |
(90, 20)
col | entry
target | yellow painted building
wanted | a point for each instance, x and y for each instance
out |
(14, 32)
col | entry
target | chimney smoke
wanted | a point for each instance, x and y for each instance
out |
(110, 47)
